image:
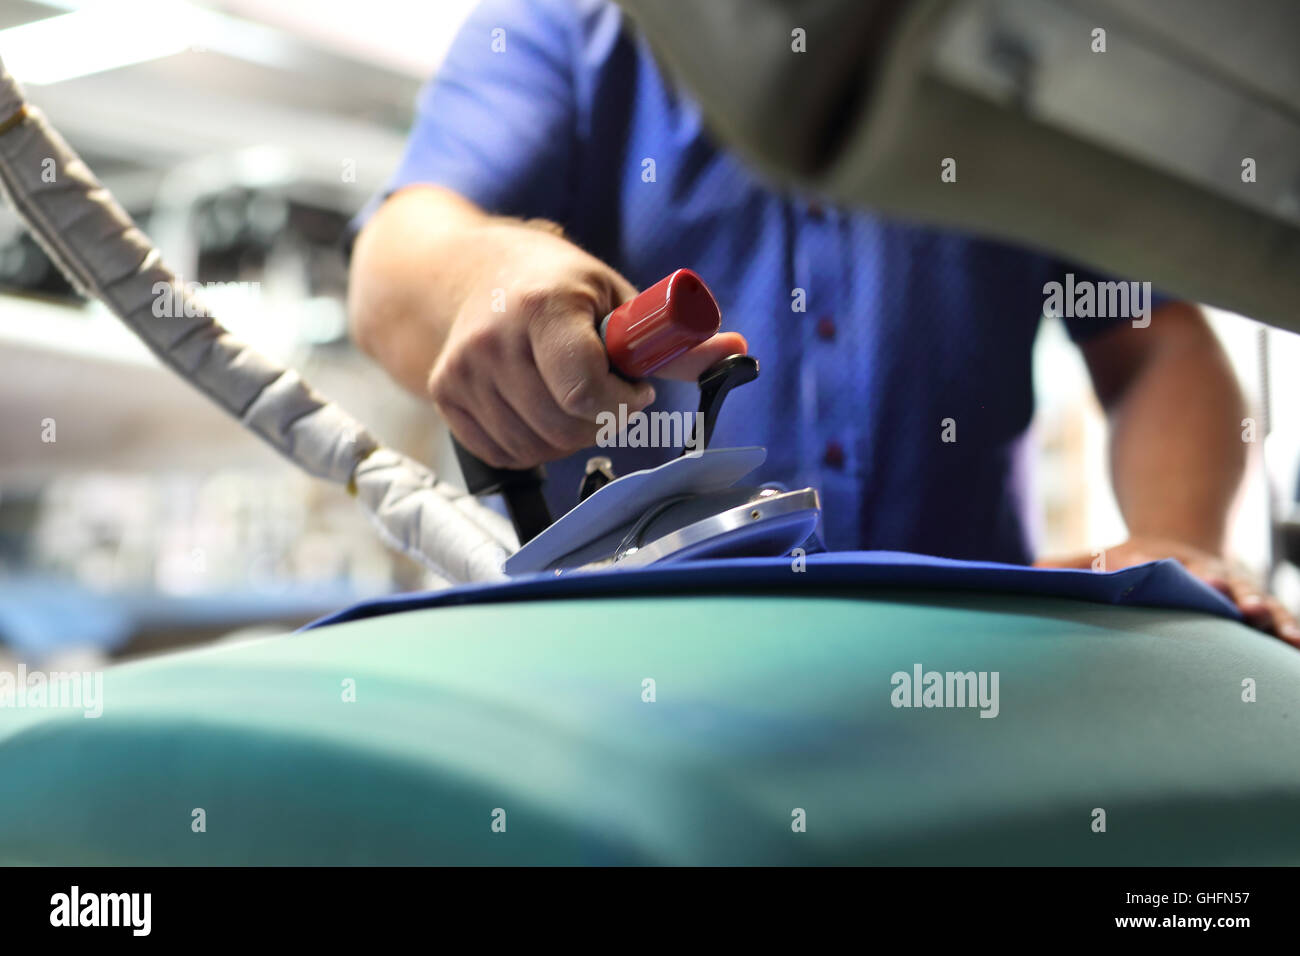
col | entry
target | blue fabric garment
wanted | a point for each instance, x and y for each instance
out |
(1164, 583)
(873, 335)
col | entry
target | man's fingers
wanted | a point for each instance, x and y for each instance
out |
(1285, 623)
(1258, 605)
(1249, 601)
(575, 367)
(532, 401)
(475, 440)
(689, 367)
(508, 428)
(489, 428)
(1265, 612)
(1258, 608)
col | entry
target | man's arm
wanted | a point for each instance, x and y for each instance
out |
(1175, 411)
(409, 273)
(494, 320)
(1177, 456)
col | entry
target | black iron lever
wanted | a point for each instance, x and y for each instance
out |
(521, 489)
(715, 382)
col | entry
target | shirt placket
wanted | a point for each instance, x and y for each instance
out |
(818, 270)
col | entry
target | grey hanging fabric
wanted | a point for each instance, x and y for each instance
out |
(1165, 148)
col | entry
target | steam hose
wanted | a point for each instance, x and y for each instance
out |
(103, 254)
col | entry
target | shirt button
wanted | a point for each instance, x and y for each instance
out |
(826, 328)
(816, 209)
(834, 454)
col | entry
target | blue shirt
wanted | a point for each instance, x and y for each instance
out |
(874, 336)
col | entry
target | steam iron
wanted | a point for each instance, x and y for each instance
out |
(690, 508)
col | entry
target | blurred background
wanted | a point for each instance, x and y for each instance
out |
(134, 517)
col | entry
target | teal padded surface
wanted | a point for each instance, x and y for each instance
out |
(764, 704)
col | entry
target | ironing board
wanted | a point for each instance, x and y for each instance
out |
(492, 727)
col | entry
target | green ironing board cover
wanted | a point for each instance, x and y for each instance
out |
(768, 709)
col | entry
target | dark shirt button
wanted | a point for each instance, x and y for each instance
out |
(834, 454)
(826, 328)
(816, 209)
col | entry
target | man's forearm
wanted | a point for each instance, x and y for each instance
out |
(411, 268)
(1177, 454)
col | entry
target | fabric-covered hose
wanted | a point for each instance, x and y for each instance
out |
(102, 252)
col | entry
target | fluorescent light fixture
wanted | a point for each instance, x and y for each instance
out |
(98, 37)
(400, 35)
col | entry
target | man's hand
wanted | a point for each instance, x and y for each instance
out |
(495, 321)
(1177, 454)
(1260, 609)
(523, 374)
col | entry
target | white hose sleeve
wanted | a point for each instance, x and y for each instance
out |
(102, 252)
(419, 515)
